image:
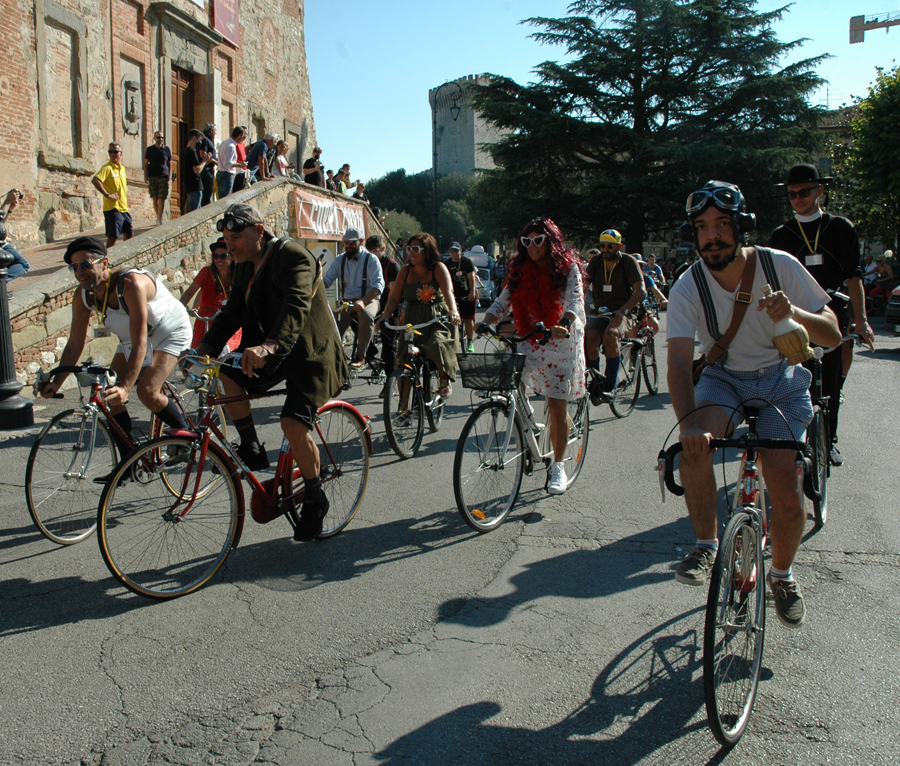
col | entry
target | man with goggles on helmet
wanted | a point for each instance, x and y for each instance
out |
(829, 248)
(615, 280)
(288, 333)
(750, 371)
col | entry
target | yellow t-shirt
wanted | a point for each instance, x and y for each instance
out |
(114, 181)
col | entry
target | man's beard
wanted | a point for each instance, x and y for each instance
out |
(725, 259)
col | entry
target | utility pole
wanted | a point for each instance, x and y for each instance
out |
(859, 25)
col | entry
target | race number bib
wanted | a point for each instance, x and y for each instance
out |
(815, 259)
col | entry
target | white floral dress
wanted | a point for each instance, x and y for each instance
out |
(556, 369)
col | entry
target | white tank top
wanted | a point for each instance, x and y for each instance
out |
(119, 322)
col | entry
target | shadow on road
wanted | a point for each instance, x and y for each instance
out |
(646, 704)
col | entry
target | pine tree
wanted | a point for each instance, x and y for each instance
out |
(654, 98)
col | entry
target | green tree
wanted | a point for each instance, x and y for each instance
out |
(869, 190)
(655, 98)
(400, 224)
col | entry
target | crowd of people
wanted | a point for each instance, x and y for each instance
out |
(264, 294)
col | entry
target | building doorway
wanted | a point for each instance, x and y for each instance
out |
(182, 122)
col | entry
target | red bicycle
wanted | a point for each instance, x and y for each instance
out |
(174, 509)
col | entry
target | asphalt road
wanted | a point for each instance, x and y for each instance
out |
(560, 638)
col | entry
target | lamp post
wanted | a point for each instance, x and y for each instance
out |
(455, 110)
(15, 411)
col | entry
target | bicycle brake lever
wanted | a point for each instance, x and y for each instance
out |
(661, 470)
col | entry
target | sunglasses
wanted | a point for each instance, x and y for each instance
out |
(802, 193)
(114, 151)
(722, 198)
(84, 265)
(608, 246)
(536, 240)
(236, 225)
(222, 256)
(415, 249)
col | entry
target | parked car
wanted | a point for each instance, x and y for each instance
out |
(892, 312)
(487, 290)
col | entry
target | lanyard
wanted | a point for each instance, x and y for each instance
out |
(608, 274)
(812, 248)
(258, 270)
(105, 302)
(222, 283)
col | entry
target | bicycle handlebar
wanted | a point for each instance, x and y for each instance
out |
(92, 369)
(666, 458)
(442, 319)
(539, 329)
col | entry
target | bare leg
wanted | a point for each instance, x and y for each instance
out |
(303, 447)
(559, 428)
(780, 471)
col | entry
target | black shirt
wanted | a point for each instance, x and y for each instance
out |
(459, 271)
(317, 178)
(837, 249)
(190, 158)
(391, 270)
(158, 159)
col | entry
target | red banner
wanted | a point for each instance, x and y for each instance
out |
(326, 218)
(225, 20)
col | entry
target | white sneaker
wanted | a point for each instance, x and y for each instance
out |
(558, 479)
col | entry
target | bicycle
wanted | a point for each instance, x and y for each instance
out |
(373, 370)
(818, 436)
(163, 533)
(501, 440)
(734, 629)
(411, 394)
(74, 452)
(645, 332)
(628, 384)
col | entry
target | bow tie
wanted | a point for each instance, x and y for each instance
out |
(351, 256)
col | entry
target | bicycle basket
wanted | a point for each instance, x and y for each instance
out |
(489, 372)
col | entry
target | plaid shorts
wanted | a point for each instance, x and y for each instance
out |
(780, 386)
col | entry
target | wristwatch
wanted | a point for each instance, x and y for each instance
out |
(565, 322)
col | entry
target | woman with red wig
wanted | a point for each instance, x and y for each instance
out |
(544, 284)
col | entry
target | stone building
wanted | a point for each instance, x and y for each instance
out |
(78, 74)
(460, 133)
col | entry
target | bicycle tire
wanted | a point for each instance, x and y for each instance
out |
(486, 481)
(578, 417)
(818, 438)
(734, 631)
(62, 501)
(344, 472)
(155, 542)
(434, 404)
(629, 384)
(649, 366)
(404, 427)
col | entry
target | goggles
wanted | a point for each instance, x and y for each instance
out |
(723, 197)
(229, 223)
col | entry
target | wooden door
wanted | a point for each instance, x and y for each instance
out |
(182, 122)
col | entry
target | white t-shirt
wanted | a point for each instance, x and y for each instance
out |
(752, 347)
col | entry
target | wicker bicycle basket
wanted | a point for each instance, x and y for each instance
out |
(490, 372)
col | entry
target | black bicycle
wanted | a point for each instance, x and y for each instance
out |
(373, 370)
(412, 393)
(623, 397)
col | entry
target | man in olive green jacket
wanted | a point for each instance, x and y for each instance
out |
(288, 334)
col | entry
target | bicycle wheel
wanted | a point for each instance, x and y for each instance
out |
(734, 631)
(629, 385)
(434, 405)
(344, 472)
(404, 413)
(649, 366)
(60, 490)
(578, 418)
(817, 437)
(162, 544)
(487, 469)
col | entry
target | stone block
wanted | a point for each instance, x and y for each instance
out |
(178, 277)
(28, 337)
(48, 357)
(58, 320)
(61, 344)
(101, 350)
(33, 368)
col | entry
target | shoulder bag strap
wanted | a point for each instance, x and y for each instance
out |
(742, 300)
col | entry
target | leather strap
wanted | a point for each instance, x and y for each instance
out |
(742, 300)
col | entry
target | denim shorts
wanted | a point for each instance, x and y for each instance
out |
(782, 385)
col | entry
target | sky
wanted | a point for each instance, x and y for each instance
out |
(370, 92)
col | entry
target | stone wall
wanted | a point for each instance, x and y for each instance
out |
(78, 74)
(41, 313)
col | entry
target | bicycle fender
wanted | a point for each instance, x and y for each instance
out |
(339, 404)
